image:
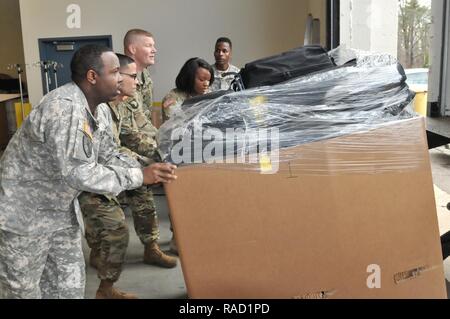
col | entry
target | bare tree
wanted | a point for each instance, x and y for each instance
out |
(414, 34)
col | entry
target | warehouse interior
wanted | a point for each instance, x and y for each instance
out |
(244, 245)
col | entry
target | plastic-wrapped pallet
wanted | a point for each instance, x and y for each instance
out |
(321, 106)
(331, 198)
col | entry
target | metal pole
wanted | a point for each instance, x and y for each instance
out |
(19, 71)
(56, 79)
(47, 79)
(55, 73)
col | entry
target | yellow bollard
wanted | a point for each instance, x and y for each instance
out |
(21, 115)
(420, 103)
(421, 99)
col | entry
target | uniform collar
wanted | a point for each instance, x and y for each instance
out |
(140, 78)
(80, 99)
(113, 106)
(144, 77)
(220, 71)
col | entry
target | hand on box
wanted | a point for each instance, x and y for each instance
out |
(159, 173)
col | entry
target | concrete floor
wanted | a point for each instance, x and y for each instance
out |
(146, 281)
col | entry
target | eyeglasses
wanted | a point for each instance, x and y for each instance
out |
(133, 76)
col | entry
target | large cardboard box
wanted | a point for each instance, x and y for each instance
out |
(350, 217)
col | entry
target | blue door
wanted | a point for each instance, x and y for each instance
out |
(56, 55)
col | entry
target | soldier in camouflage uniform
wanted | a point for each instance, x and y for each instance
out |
(140, 46)
(194, 79)
(137, 133)
(172, 103)
(106, 229)
(222, 54)
(60, 150)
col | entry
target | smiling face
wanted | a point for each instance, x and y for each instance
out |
(144, 50)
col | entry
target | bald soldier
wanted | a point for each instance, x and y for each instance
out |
(137, 134)
(64, 147)
(140, 46)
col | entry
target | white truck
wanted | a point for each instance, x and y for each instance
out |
(438, 107)
(438, 110)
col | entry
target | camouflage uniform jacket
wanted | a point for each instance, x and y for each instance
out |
(144, 93)
(60, 150)
(145, 88)
(116, 126)
(221, 82)
(137, 132)
(179, 97)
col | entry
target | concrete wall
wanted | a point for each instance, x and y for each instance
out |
(11, 49)
(370, 25)
(182, 29)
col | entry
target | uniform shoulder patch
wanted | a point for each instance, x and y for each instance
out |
(87, 146)
(132, 104)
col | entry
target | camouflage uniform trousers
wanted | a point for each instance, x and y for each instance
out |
(145, 217)
(49, 266)
(107, 230)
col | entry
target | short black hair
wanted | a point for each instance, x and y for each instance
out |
(186, 78)
(225, 40)
(124, 60)
(87, 58)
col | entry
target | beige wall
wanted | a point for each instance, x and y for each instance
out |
(183, 29)
(11, 49)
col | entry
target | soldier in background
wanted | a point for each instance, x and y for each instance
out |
(61, 149)
(194, 79)
(223, 52)
(140, 46)
(138, 134)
